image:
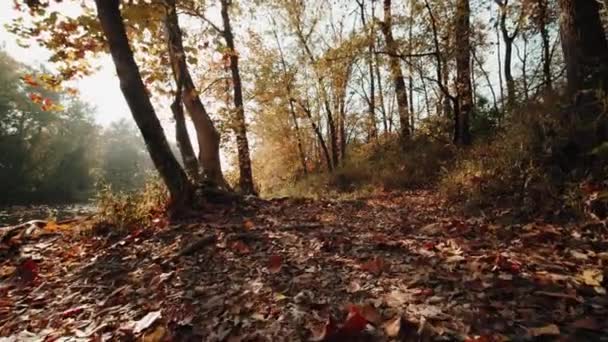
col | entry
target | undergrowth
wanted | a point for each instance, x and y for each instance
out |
(128, 210)
(544, 158)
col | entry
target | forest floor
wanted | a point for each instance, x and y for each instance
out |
(396, 266)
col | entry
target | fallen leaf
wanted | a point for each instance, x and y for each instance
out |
(7, 271)
(240, 247)
(275, 263)
(157, 335)
(374, 266)
(591, 277)
(392, 328)
(355, 321)
(323, 332)
(588, 323)
(28, 270)
(371, 314)
(72, 312)
(547, 330)
(248, 225)
(353, 287)
(146, 321)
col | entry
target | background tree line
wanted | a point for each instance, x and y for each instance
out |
(53, 156)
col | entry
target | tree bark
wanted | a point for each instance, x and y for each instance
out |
(381, 94)
(396, 74)
(138, 100)
(333, 137)
(240, 127)
(546, 42)
(373, 130)
(208, 137)
(292, 108)
(462, 135)
(584, 45)
(319, 134)
(508, 39)
(181, 135)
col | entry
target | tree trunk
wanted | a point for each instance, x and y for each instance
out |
(292, 108)
(208, 137)
(240, 127)
(546, 43)
(396, 74)
(381, 94)
(584, 45)
(137, 98)
(181, 136)
(508, 39)
(319, 135)
(462, 135)
(333, 138)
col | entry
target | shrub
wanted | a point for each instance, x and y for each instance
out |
(381, 165)
(127, 210)
(537, 162)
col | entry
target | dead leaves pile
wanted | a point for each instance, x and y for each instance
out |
(391, 267)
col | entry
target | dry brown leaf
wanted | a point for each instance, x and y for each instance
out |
(374, 266)
(274, 263)
(371, 314)
(547, 330)
(240, 247)
(392, 328)
(159, 334)
(588, 323)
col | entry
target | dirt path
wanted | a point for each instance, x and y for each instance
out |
(391, 267)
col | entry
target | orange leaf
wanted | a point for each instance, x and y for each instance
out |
(274, 264)
(29, 80)
(247, 224)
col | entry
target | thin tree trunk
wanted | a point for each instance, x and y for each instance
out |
(508, 39)
(319, 134)
(292, 108)
(411, 66)
(181, 135)
(381, 95)
(487, 78)
(240, 128)
(546, 43)
(426, 94)
(463, 73)
(524, 67)
(397, 74)
(137, 98)
(333, 139)
(584, 45)
(373, 130)
(500, 80)
(208, 136)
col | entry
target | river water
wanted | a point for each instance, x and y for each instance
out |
(16, 214)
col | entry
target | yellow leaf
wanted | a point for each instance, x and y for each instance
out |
(591, 277)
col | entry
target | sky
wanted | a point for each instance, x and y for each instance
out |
(100, 89)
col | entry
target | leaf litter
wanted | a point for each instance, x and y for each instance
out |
(396, 266)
